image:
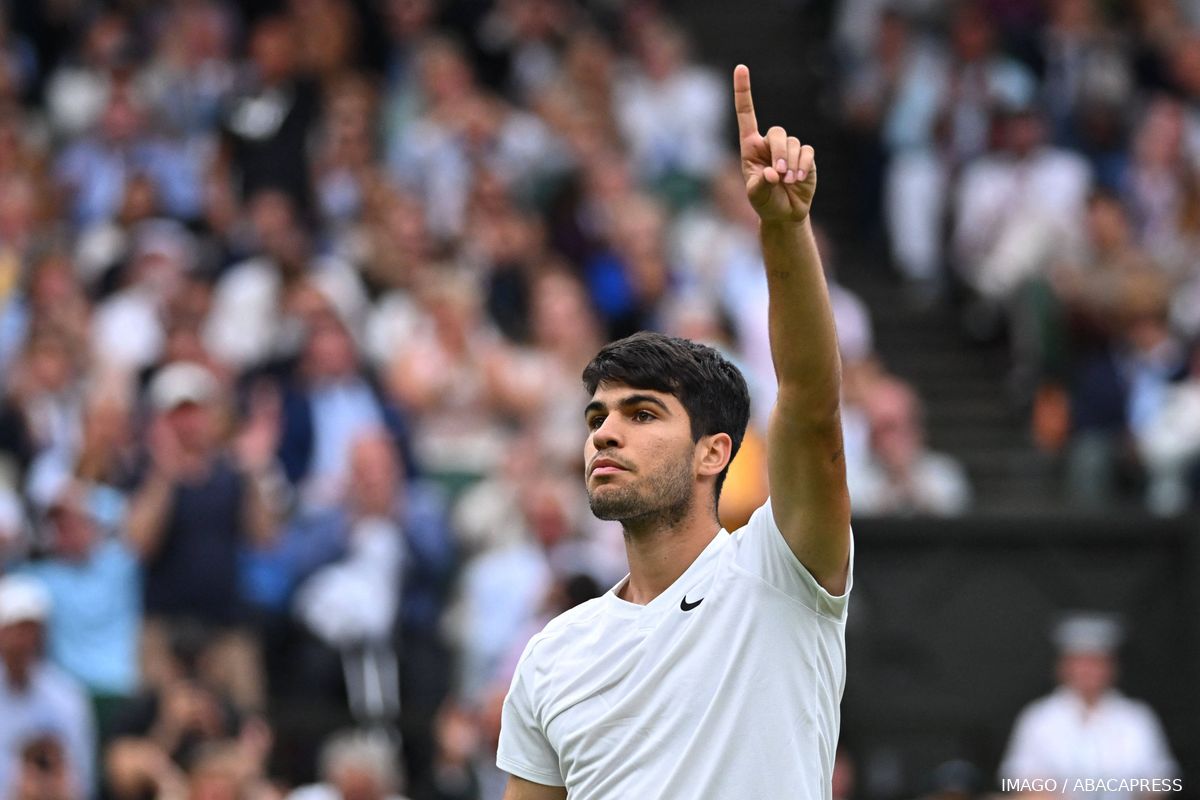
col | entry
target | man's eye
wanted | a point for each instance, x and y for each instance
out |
(643, 416)
(595, 422)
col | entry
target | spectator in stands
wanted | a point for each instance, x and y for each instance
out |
(1169, 445)
(1085, 69)
(36, 698)
(408, 23)
(343, 168)
(578, 103)
(1086, 726)
(271, 114)
(355, 765)
(670, 110)
(95, 171)
(257, 308)
(77, 86)
(1118, 388)
(464, 131)
(128, 325)
(902, 476)
(332, 400)
(327, 40)
(192, 512)
(183, 732)
(231, 769)
(1162, 190)
(20, 220)
(14, 528)
(94, 584)
(104, 460)
(44, 772)
(352, 604)
(940, 120)
(631, 276)
(525, 37)
(191, 72)
(47, 385)
(1069, 311)
(443, 375)
(1017, 207)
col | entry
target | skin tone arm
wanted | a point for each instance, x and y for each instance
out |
(805, 460)
(521, 789)
(150, 506)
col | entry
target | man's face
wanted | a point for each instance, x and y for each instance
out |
(1088, 674)
(194, 424)
(20, 643)
(74, 530)
(639, 455)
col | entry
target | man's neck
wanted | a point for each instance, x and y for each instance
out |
(18, 680)
(661, 550)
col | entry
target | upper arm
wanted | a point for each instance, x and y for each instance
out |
(811, 505)
(521, 789)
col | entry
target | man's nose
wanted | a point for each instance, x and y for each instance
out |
(607, 435)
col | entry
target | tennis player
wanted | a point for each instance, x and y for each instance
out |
(714, 671)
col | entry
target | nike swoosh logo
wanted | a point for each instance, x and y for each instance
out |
(686, 606)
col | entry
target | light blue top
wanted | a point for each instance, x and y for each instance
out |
(97, 609)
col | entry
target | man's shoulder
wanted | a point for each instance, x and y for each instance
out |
(568, 622)
(1132, 709)
(57, 687)
(564, 630)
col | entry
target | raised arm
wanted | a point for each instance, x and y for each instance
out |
(805, 460)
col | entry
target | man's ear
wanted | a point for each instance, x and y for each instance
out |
(713, 453)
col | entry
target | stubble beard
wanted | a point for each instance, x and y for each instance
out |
(656, 502)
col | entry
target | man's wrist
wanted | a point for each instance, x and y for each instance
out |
(782, 225)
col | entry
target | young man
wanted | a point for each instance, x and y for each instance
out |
(715, 669)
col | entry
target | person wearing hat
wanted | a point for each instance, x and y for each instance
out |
(1086, 728)
(36, 698)
(197, 506)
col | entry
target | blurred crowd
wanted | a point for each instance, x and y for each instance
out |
(1037, 163)
(294, 302)
(295, 297)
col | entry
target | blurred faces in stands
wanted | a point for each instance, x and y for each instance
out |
(185, 395)
(1087, 647)
(24, 608)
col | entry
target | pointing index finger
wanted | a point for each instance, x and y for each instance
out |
(743, 103)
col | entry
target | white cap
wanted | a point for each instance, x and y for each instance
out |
(22, 599)
(1088, 632)
(182, 382)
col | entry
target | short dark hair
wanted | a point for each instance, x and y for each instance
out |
(711, 389)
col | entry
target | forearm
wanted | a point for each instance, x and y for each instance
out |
(148, 514)
(804, 344)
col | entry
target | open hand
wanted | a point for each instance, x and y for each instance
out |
(780, 173)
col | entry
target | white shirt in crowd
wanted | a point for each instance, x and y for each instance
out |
(725, 685)
(1014, 215)
(53, 703)
(937, 484)
(1058, 737)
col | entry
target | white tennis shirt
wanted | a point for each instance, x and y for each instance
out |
(725, 687)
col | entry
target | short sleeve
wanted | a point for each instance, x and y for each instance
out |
(763, 552)
(524, 750)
